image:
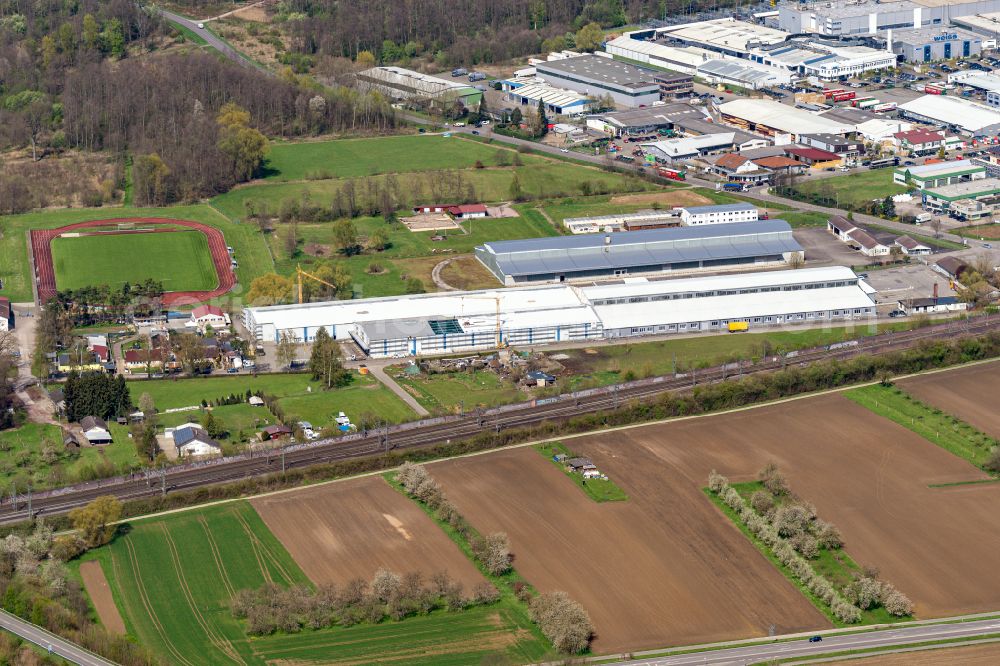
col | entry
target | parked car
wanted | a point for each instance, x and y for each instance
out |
(988, 246)
(476, 132)
(897, 313)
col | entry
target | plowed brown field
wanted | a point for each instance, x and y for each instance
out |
(972, 655)
(667, 568)
(968, 393)
(346, 530)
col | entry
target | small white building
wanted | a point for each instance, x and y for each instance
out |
(208, 315)
(910, 246)
(192, 440)
(719, 214)
(932, 305)
(868, 244)
(95, 429)
(6, 314)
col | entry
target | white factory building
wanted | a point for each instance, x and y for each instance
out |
(448, 322)
(772, 118)
(719, 214)
(964, 116)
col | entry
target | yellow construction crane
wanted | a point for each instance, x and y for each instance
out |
(497, 340)
(299, 273)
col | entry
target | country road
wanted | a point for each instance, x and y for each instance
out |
(49, 642)
(787, 649)
(210, 37)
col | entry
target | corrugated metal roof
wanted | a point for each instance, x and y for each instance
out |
(569, 254)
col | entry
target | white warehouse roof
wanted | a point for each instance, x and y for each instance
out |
(783, 117)
(726, 33)
(947, 110)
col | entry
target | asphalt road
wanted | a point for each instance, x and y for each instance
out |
(830, 643)
(48, 641)
(210, 37)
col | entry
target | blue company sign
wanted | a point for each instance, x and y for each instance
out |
(947, 37)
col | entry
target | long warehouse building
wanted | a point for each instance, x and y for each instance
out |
(451, 322)
(652, 252)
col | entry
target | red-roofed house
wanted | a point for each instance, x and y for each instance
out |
(466, 211)
(208, 315)
(918, 141)
(814, 157)
(740, 169)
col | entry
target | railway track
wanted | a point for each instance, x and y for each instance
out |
(442, 430)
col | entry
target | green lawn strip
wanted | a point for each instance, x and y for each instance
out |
(963, 483)
(835, 565)
(352, 158)
(365, 399)
(191, 391)
(926, 240)
(722, 197)
(610, 364)
(853, 190)
(803, 218)
(946, 431)
(534, 646)
(251, 251)
(448, 392)
(599, 490)
(189, 34)
(944, 642)
(180, 260)
(766, 552)
(234, 418)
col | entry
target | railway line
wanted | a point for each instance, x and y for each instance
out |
(445, 429)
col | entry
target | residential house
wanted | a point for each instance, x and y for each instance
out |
(911, 247)
(814, 157)
(833, 143)
(95, 429)
(194, 441)
(274, 432)
(82, 360)
(918, 141)
(142, 360)
(208, 315)
(932, 305)
(6, 314)
(739, 169)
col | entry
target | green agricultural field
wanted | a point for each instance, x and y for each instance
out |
(854, 190)
(251, 250)
(172, 579)
(33, 455)
(350, 158)
(180, 260)
(446, 393)
(608, 364)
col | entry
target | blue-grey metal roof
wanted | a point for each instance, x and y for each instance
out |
(719, 208)
(590, 252)
(183, 435)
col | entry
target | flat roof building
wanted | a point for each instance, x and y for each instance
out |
(399, 83)
(928, 176)
(628, 85)
(719, 214)
(603, 256)
(744, 74)
(836, 18)
(451, 322)
(769, 117)
(624, 222)
(684, 148)
(940, 199)
(725, 35)
(529, 90)
(684, 59)
(947, 111)
(637, 122)
(930, 43)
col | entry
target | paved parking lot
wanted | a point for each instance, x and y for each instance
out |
(911, 281)
(822, 249)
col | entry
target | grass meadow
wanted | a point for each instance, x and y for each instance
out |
(180, 260)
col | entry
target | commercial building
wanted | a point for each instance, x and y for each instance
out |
(659, 251)
(947, 111)
(928, 44)
(940, 199)
(841, 18)
(529, 90)
(674, 85)
(986, 24)
(719, 214)
(481, 320)
(726, 35)
(928, 176)
(683, 59)
(671, 150)
(814, 157)
(639, 122)
(833, 143)
(628, 85)
(771, 118)
(744, 74)
(737, 168)
(848, 61)
(919, 141)
(657, 219)
(399, 83)
(774, 298)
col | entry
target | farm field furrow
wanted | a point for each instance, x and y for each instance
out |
(349, 530)
(962, 393)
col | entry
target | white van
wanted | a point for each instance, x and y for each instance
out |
(924, 217)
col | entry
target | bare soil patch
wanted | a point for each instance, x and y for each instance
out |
(318, 250)
(467, 273)
(971, 655)
(968, 393)
(257, 13)
(348, 530)
(668, 198)
(429, 222)
(100, 594)
(664, 568)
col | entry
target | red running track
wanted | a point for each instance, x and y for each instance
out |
(45, 274)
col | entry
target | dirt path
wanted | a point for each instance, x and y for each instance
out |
(378, 372)
(436, 275)
(100, 593)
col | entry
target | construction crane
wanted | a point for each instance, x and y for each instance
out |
(497, 340)
(300, 273)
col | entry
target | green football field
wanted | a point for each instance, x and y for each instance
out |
(179, 259)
